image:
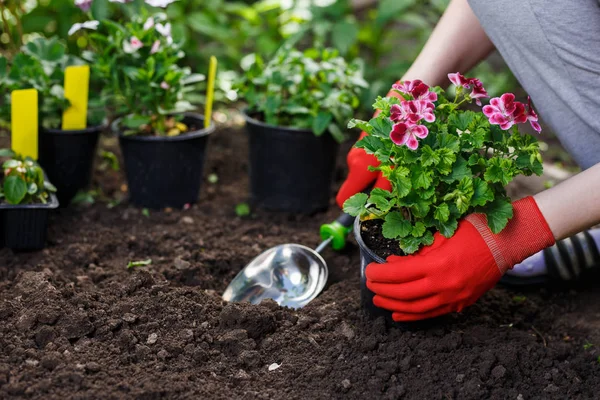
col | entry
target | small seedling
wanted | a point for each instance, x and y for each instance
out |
(144, 263)
(109, 160)
(519, 299)
(588, 346)
(213, 178)
(85, 197)
(242, 210)
(146, 213)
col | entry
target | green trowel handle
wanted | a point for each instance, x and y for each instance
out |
(338, 230)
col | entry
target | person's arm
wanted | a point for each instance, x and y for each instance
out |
(457, 44)
(573, 205)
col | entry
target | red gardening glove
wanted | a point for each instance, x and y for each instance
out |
(359, 176)
(452, 274)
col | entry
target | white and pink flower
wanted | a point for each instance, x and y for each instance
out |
(532, 116)
(132, 45)
(149, 23)
(164, 85)
(93, 25)
(413, 111)
(160, 3)
(417, 89)
(84, 5)
(505, 111)
(155, 47)
(407, 134)
(477, 90)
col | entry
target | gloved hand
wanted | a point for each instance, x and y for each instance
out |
(452, 274)
(359, 176)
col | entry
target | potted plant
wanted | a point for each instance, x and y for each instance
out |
(26, 197)
(296, 105)
(443, 162)
(66, 155)
(163, 146)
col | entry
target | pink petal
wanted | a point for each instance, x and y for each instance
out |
(518, 114)
(419, 131)
(490, 110)
(396, 113)
(412, 142)
(399, 134)
(456, 78)
(506, 126)
(429, 117)
(536, 126)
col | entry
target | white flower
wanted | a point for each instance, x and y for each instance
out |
(149, 23)
(85, 25)
(155, 47)
(159, 3)
(132, 45)
(164, 30)
(120, 1)
(164, 85)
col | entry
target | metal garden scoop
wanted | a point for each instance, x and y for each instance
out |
(290, 274)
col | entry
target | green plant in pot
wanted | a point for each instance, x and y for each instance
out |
(297, 103)
(163, 146)
(26, 197)
(65, 155)
(444, 162)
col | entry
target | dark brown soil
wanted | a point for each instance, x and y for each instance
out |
(77, 324)
(373, 238)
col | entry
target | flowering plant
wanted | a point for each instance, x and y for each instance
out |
(23, 180)
(139, 61)
(41, 65)
(315, 89)
(444, 162)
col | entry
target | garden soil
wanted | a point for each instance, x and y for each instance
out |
(76, 323)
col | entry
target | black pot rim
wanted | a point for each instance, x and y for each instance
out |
(88, 130)
(362, 245)
(253, 121)
(52, 204)
(178, 138)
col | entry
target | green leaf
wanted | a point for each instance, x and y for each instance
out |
(355, 205)
(461, 120)
(410, 244)
(344, 35)
(447, 228)
(32, 188)
(482, 193)
(133, 264)
(498, 171)
(336, 133)
(382, 203)
(498, 213)
(15, 189)
(382, 126)
(442, 212)
(418, 229)
(321, 122)
(429, 157)
(10, 164)
(460, 170)
(135, 121)
(421, 178)
(7, 153)
(371, 144)
(402, 185)
(362, 125)
(242, 210)
(447, 158)
(395, 226)
(449, 142)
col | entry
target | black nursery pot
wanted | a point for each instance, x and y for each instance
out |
(368, 256)
(24, 227)
(290, 169)
(165, 171)
(67, 157)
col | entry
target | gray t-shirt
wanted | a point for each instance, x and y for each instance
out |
(553, 49)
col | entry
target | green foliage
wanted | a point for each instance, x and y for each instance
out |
(242, 210)
(140, 63)
(461, 167)
(41, 65)
(315, 89)
(142, 263)
(23, 181)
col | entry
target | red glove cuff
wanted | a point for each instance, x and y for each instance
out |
(527, 233)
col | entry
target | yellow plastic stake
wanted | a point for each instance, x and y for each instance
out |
(77, 87)
(24, 122)
(210, 90)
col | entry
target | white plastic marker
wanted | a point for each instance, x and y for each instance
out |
(24, 122)
(210, 91)
(77, 87)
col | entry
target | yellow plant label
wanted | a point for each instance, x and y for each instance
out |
(24, 122)
(77, 86)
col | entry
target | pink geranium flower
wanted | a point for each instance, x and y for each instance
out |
(458, 80)
(505, 111)
(407, 134)
(478, 91)
(412, 111)
(132, 45)
(532, 116)
(417, 89)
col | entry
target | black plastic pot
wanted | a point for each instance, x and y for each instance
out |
(24, 227)
(367, 256)
(67, 158)
(290, 169)
(165, 171)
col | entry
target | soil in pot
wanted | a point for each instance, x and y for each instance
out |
(77, 324)
(166, 171)
(67, 158)
(290, 169)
